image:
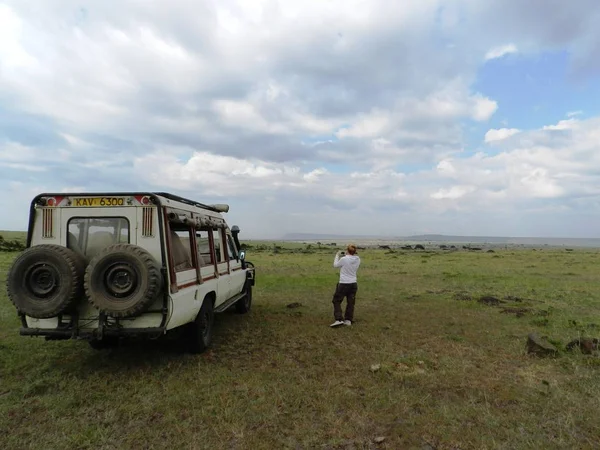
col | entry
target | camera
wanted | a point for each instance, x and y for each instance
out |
(342, 253)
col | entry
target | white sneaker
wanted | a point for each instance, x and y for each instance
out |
(337, 323)
(347, 323)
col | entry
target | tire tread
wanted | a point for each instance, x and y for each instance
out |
(76, 267)
(153, 274)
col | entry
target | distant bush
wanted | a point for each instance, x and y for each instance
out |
(11, 246)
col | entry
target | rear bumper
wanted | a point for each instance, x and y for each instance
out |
(70, 333)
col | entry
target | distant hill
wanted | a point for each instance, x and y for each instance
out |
(440, 238)
(313, 237)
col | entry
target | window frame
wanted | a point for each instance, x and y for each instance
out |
(211, 251)
(89, 218)
(231, 245)
(221, 258)
(169, 227)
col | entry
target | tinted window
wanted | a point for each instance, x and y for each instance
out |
(217, 241)
(232, 251)
(204, 254)
(90, 235)
(181, 249)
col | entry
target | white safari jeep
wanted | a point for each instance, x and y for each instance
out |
(104, 266)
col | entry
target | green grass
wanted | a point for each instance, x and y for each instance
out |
(453, 373)
(20, 236)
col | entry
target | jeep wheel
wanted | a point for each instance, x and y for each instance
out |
(243, 305)
(200, 331)
(122, 280)
(45, 280)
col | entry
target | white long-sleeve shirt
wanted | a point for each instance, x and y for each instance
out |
(349, 266)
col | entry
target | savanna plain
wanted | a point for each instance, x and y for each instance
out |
(426, 365)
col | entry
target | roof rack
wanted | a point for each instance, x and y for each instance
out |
(187, 201)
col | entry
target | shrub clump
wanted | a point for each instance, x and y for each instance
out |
(11, 246)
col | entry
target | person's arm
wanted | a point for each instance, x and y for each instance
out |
(337, 261)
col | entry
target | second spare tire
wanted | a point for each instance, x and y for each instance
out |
(123, 280)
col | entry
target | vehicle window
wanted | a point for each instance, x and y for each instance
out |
(89, 235)
(217, 241)
(181, 248)
(205, 256)
(232, 251)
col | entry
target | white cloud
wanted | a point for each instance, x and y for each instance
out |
(16, 152)
(14, 56)
(445, 167)
(499, 52)
(453, 193)
(562, 125)
(220, 176)
(513, 175)
(536, 166)
(244, 115)
(315, 175)
(367, 126)
(484, 108)
(494, 135)
(539, 184)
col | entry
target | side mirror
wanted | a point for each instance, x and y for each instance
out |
(242, 255)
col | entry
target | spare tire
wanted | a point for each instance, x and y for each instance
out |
(45, 280)
(122, 280)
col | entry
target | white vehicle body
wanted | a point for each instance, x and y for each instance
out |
(198, 255)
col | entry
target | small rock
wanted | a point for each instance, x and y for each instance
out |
(540, 346)
(294, 305)
(462, 296)
(586, 345)
(379, 439)
(489, 300)
(375, 367)
(518, 312)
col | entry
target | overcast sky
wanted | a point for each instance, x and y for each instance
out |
(462, 117)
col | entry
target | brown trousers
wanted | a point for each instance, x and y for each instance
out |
(344, 290)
